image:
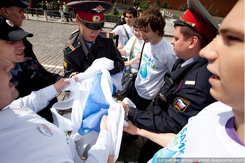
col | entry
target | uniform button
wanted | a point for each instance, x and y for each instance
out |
(193, 73)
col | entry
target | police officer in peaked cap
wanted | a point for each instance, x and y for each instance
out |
(88, 42)
(27, 74)
(186, 88)
(13, 11)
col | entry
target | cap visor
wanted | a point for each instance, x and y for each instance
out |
(179, 22)
(94, 26)
(23, 4)
(17, 35)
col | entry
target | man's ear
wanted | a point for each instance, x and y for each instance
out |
(77, 21)
(3, 11)
(193, 42)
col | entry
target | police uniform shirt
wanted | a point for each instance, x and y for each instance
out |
(189, 61)
(30, 76)
(16, 71)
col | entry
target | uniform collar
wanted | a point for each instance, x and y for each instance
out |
(180, 73)
(7, 118)
(190, 60)
(89, 44)
(15, 72)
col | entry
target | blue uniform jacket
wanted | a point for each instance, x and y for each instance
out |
(187, 92)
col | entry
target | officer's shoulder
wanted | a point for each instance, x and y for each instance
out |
(73, 34)
(106, 35)
(72, 46)
(28, 59)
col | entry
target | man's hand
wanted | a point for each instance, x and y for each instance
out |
(103, 125)
(127, 63)
(75, 78)
(60, 84)
(125, 106)
(131, 129)
(110, 159)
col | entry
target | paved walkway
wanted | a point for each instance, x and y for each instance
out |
(48, 43)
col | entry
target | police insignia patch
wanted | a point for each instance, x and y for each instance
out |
(181, 104)
(65, 64)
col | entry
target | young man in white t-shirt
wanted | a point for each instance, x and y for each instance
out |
(216, 134)
(158, 58)
(130, 17)
(134, 62)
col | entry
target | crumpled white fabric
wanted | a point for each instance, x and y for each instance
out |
(78, 95)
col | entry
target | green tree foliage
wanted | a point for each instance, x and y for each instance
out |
(216, 13)
(133, 2)
(210, 9)
(180, 8)
(138, 3)
(145, 4)
(55, 4)
(185, 7)
(158, 2)
(123, 1)
(115, 9)
(165, 4)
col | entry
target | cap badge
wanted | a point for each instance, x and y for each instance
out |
(9, 23)
(99, 9)
(96, 18)
(187, 22)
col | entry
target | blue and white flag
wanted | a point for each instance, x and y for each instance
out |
(90, 98)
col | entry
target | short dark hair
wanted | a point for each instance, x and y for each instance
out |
(188, 32)
(154, 18)
(136, 23)
(130, 10)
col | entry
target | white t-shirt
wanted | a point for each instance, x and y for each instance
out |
(156, 61)
(137, 48)
(123, 38)
(204, 136)
(26, 137)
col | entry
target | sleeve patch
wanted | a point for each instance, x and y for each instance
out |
(65, 64)
(181, 104)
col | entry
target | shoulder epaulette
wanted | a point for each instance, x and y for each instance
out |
(75, 31)
(28, 58)
(106, 35)
(72, 47)
(72, 35)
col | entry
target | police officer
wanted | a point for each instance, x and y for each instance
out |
(87, 44)
(13, 11)
(186, 88)
(27, 74)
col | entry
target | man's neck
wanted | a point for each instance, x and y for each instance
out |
(14, 67)
(156, 41)
(239, 124)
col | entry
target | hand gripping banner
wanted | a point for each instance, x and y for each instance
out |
(90, 98)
